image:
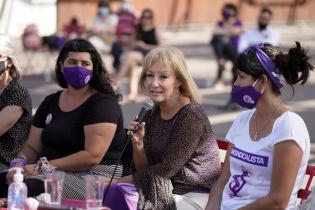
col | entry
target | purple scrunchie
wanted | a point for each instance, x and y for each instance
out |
(17, 160)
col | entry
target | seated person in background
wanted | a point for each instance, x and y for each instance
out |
(123, 43)
(225, 39)
(147, 38)
(15, 106)
(260, 34)
(73, 29)
(79, 129)
(269, 144)
(126, 18)
(124, 33)
(103, 28)
(175, 153)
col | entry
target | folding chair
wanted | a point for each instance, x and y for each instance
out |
(304, 193)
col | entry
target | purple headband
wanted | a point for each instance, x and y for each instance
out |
(268, 65)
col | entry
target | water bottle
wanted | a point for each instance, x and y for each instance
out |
(17, 193)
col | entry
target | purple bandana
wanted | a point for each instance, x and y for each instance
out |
(77, 76)
(268, 65)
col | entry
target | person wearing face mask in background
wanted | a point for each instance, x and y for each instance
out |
(78, 129)
(260, 34)
(15, 106)
(103, 28)
(224, 43)
(269, 144)
(225, 38)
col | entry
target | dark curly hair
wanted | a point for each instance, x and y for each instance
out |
(230, 6)
(100, 80)
(293, 66)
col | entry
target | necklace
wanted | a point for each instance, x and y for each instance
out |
(265, 125)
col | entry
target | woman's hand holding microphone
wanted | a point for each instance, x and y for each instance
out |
(137, 131)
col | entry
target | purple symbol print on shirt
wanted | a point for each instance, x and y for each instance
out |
(238, 183)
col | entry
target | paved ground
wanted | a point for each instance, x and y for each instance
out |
(193, 41)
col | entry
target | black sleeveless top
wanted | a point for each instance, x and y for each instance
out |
(149, 37)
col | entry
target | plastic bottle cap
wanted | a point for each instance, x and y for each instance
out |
(18, 176)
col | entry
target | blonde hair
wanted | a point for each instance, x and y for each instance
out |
(174, 59)
(6, 49)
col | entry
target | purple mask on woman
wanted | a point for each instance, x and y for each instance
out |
(228, 14)
(77, 76)
(247, 96)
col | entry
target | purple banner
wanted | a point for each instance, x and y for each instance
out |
(250, 158)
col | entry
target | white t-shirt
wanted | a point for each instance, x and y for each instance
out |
(255, 36)
(251, 161)
(104, 24)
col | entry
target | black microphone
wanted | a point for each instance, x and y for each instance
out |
(147, 105)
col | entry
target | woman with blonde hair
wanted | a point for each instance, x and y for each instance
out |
(15, 106)
(174, 150)
(172, 58)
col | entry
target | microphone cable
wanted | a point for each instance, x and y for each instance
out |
(116, 166)
(147, 105)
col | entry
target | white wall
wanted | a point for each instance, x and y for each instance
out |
(19, 13)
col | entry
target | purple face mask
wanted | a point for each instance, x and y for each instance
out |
(77, 76)
(247, 96)
(227, 14)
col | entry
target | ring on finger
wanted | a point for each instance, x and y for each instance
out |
(136, 126)
(130, 133)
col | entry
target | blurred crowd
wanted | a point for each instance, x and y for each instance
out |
(127, 35)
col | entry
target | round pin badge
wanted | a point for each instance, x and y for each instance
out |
(48, 119)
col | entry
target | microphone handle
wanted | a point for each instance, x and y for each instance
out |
(129, 137)
(140, 119)
(141, 115)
